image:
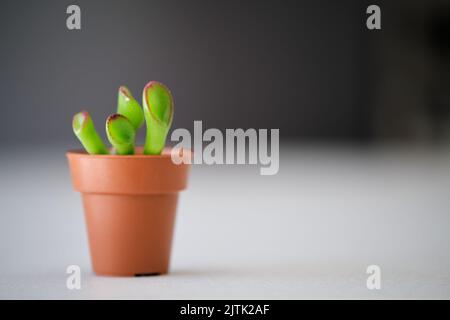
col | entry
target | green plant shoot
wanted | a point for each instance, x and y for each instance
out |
(158, 112)
(84, 129)
(129, 107)
(121, 134)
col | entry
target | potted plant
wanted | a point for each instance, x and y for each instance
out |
(129, 193)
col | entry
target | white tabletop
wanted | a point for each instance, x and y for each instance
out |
(308, 232)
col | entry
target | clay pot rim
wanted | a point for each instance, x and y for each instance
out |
(138, 155)
(127, 174)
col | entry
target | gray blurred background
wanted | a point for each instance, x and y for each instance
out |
(298, 66)
(364, 123)
(310, 68)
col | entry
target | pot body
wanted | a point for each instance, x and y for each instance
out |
(130, 205)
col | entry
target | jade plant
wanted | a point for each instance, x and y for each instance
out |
(122, 126)
(121, 133)
(158, 110)
(84, 129)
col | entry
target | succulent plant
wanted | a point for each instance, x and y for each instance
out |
(121, 127)
(129, 107)
(84, 129)
(121, 133)
(158, 111)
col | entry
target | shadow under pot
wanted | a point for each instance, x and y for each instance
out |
(130, 204)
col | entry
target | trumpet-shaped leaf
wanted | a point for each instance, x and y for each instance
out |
(84, 129)
(129, 107)
(158, 112)
(121, 134)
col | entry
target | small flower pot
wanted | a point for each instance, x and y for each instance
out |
(129, 205)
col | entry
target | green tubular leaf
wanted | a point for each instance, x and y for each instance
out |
(121, 134)
(158, 111)
(84, 129)
(129, 107)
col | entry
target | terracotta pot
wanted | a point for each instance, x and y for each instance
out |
(129, 205)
